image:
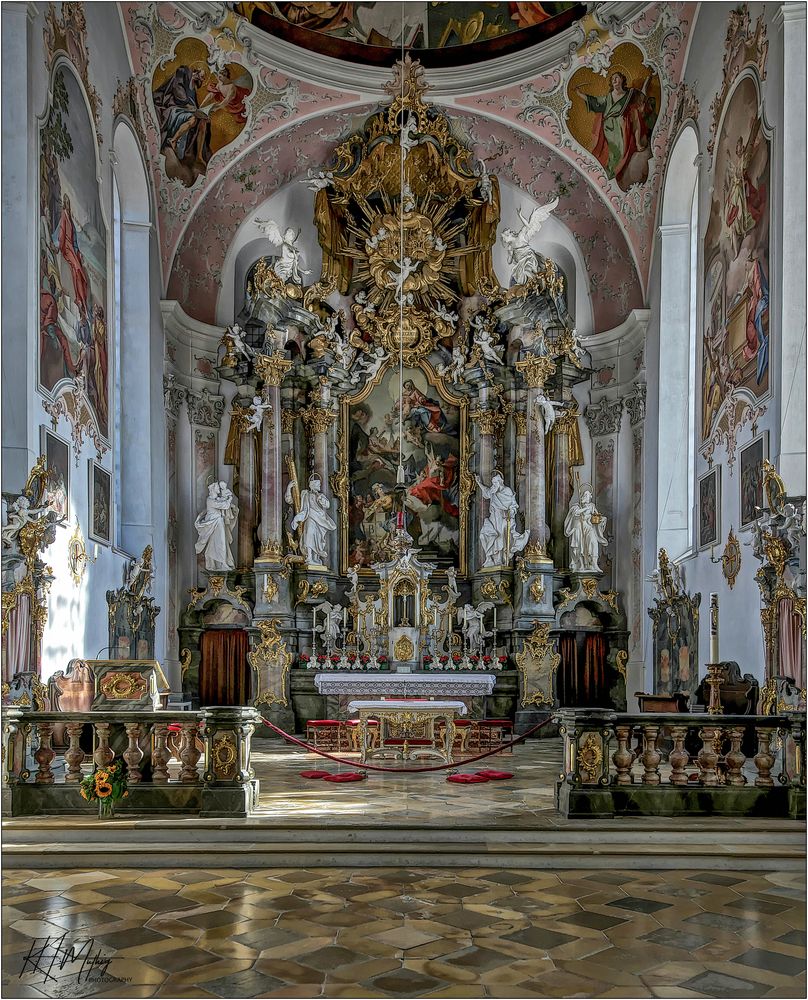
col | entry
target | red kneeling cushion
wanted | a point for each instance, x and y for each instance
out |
(467, 779)
(496, 775)
(345, 776)
(314, 774)
(323, 722)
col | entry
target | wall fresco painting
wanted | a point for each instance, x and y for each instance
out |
(199, 100)
(73, 344)
(736, 247)
(613, 115)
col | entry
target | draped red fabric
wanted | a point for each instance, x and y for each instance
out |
(224, 674)
(595, 692)
(568, 686)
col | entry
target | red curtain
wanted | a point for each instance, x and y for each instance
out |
(595, 692)
(568, 688)
(224, 674)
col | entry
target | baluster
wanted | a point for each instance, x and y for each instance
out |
(103, 752)
(45, 753)
(708, 758)
(764, 758)
(650, 755)
(133, 754)
(735, 757)
(160, 753)
(678, 757)
(623, 758)
(189, 752)
(13, 740)
(74, 755)
(798, 735)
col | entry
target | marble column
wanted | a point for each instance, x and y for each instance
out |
(247, 483)
(273, 371)
(488, 422)
(603, 420)
(561, 486)
(317, 420)
(535, 370)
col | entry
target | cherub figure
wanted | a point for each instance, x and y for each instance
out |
(240, 346)
(255, 414)
(288, 266)
(369, 364)
(484, 340)
(524, 260)
(455, 370)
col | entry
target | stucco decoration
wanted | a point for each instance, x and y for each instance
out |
(157, 34)
(532, 167)
(67, 33)
(550, 108)
(744, 46)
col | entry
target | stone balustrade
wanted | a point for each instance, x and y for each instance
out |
(670, 764)
(162, 751)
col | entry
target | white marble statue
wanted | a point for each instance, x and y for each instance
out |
(524, 260)
(236, 335)
(317, 180)
(499, 538)
(483, 338)
(472, 625)
(19, 513)
(455, 370)
(215, 528)
(406, 267)
(548, 414)
(486, 188)
(288, 266)
(139, 574)
(368, 364)
(586, 530)
(353, 591)
(255, 414)
(407, 138)
(315, 521)
(331, 616)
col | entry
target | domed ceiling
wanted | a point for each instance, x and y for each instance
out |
(438, 34)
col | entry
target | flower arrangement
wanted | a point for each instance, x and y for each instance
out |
(106, 786)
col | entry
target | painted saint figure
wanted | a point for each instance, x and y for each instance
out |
(184, 126)
(68, 242)
(316, 523)
(623, 126)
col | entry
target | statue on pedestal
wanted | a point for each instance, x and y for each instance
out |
(215, 528)
(473, 626)
(499, 538)
(586, 530)
(315, 522)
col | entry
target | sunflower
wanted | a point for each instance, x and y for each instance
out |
(101, 776)
(84, 793)
(103, 789)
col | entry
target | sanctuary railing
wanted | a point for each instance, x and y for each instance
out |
(176, 762)
(669, 764)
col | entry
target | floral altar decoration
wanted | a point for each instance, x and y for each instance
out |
(106, 786)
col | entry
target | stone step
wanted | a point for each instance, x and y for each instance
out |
(65, 856)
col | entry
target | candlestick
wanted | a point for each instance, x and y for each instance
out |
(714, 657)
(495, 626)
(314, 632)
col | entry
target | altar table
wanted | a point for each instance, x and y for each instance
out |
(420, 683)
(407, 720)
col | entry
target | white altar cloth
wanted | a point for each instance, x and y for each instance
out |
(420, 683)
(411, 705)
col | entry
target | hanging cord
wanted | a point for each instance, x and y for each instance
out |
(400, 471)
(403, 770)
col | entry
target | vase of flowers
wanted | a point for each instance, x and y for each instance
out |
(106, 786)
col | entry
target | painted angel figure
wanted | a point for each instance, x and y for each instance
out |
(472, 624)
(484, 340)
(288, 267)
(255, 414)
(524, 260)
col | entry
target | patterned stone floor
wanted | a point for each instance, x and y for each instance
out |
(403, 933)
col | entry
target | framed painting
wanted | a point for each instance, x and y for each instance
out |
(433, 436)
(709, 510)
(676, 647)
(57, 461)
(99, 492)
(751, 478)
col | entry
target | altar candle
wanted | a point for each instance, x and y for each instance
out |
(314, 632)
(344, 619)
(714, 629)
(400, 519)
(495, 626)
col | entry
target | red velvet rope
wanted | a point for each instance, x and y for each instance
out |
(401, 770)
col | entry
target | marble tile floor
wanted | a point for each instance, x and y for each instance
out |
(402, 933)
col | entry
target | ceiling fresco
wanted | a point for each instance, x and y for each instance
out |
(594, 132)
(438, 34)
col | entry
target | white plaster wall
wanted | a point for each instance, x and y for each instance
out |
(740, 631)
(77, 620)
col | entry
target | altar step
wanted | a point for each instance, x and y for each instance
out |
(253, 843)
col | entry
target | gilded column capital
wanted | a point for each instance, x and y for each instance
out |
(288, 418)
(536, 369)
(272, 368)
(316, 419)
(488, 421)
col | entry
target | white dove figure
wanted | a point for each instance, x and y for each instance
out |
(288, 267)
(521, 256)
